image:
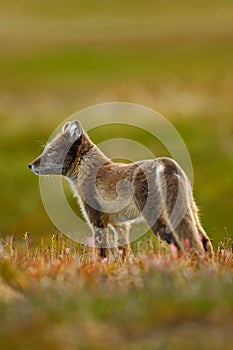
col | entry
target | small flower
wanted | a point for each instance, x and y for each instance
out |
(225, 253)
(90, 242)
(187, 243)
(67, 251)
(173, 249)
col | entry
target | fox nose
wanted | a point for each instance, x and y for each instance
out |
(30, 166)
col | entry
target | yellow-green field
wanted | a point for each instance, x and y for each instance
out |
(59, 57)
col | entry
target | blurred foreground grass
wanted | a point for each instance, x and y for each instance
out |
(60, 296)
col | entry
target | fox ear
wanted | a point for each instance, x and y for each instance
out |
(65, 126)
(74, 129)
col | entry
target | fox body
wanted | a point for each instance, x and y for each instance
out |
(116, 194)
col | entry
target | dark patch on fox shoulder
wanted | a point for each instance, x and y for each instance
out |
(72, 155)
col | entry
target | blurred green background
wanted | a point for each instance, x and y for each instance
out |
(60, 56)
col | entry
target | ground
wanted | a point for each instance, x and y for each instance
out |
(62, 296)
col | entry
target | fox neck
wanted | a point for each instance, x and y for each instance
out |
(88, 159)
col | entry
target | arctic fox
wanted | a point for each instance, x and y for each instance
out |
(115, 194)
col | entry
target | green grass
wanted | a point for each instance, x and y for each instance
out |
(61, 296)
(23, 210)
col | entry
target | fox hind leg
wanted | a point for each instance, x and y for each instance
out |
(162, 229)
(203, 236)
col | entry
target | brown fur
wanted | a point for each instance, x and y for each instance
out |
(114, 194)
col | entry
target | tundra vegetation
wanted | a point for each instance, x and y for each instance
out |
(61, 296)
(171, 56)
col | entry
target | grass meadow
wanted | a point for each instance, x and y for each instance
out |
(57, 58)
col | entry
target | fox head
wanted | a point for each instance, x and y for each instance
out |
(60, 153)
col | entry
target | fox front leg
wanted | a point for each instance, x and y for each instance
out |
(98, 222)
(101, 241)
(122, 232)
